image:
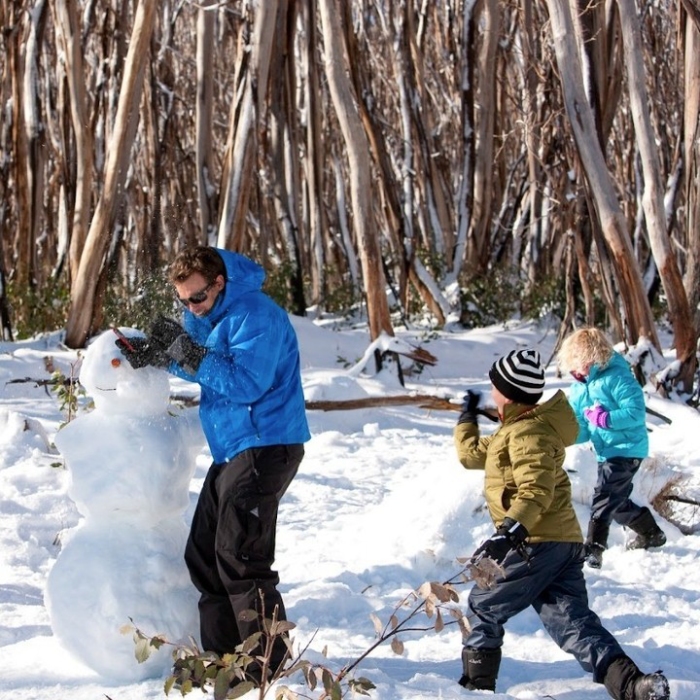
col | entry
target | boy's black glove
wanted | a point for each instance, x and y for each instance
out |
(470, 406)
(509, 535)
(141, 352)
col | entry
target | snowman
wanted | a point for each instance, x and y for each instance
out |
(130, 461)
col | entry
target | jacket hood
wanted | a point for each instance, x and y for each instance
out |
(559, 415)
(616, 361)
(242, 277)
(556, 412)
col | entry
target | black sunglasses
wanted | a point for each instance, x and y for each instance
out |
(198, 297)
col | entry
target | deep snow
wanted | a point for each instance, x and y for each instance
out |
(380, 505)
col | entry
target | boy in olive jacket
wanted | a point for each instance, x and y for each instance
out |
(538, 540)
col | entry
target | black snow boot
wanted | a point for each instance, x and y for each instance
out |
(624, 681)
(651, 686)
(596, 542)
(649, 534)
(480, 668)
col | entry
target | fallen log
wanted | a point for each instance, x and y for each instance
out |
(421, 400)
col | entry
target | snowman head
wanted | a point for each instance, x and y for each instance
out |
(115, 385)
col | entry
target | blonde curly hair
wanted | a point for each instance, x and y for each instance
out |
(583, 349)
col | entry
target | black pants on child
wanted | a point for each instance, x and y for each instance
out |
(611, 497)
(552, 582)
(231, 546)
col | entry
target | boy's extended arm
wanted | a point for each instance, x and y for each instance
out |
(471, 449)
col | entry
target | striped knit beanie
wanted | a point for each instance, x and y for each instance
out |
(519, 376)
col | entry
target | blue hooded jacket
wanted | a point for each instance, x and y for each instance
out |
(618, 392)
(250, 377)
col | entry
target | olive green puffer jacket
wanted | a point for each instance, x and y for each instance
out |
(522, 463)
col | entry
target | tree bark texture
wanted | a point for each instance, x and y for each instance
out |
(80, 321)
(396, 154)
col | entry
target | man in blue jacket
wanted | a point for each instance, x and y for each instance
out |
(240, 347)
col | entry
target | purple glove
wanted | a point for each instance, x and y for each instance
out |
(597, 416)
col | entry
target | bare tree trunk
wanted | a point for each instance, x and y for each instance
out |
(691, 130)
(337, 70)
(361, 69)
(640, 321)
(413, 121)
(83, 293)
(484, 166)
(206, 17)
(314, 160)
(29, 139)
(247, 115)
(284, 149)
(685, 336)
(531, 125)
(68, 24)
(465, 196)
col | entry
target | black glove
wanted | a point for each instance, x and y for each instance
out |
(164, 330)
(509, 535)
(186, 353)
(470, 405)
(176, 344)
(141, 352)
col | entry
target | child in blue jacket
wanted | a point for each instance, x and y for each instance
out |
(609, 405)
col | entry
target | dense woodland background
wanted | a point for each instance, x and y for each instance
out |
(475, 157)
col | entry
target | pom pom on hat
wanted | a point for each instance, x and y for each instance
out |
(519, 376)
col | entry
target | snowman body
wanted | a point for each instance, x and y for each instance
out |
(130, 462)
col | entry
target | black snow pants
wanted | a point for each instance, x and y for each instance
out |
(552, 582)
(231, 546)
(611, 497)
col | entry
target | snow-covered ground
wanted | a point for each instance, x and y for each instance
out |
(380, 505)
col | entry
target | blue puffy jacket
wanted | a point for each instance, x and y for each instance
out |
(618, 392)
(250, 377)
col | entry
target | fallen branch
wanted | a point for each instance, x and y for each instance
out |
(422, 400)
(664, 418)
(57, 381)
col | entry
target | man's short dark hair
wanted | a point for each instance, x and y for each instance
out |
(203, 259)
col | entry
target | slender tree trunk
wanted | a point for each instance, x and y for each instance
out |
(640, 321)
(68, 25)
(83, 293)
(337, 70)
(361, 68)
(248, 114)
(691, 131)
(484, 166)
(29, 139)
(313, 164)
(685, 335)
(465, 196)
(206, 18)
(284, 149)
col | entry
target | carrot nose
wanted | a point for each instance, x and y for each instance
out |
(116, 362)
